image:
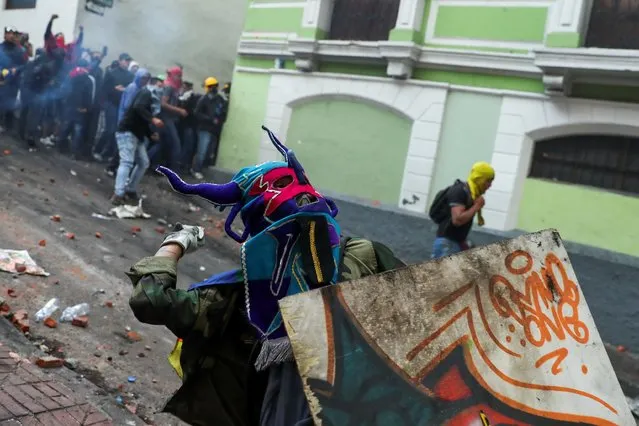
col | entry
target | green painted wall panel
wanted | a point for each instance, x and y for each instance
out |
(282, 20)
(563, 40)
(584, 215)
(468, 135)
(480, 80)
(369, 148)
(525, 24)
(607, 93)
(239, 146)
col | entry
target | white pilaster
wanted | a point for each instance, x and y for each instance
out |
(317, 14)
(410, 15)
(568, 16)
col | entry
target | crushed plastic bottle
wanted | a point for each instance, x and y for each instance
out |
(47, 310)
(74, 311)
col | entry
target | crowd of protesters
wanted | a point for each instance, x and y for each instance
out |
(123, 116)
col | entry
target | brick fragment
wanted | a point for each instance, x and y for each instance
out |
(160, 229)
(133, 336)
(82, 321)
(49, 362)
(22, 325)
(50, 322)
(56, 218)
(108, 304)
(42, 243)
(11, 292)
(135, 229)
(98, 235)
(70, 236)
(20, 268)
(4, 307)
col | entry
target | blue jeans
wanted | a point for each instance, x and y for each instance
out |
(169, 144)
(204, 140)
(188, 147)
(443, 247)
(133, 163)
(106, 147)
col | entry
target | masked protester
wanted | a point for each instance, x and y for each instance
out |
(233, 353)
(12, 60)
(209, 112)
(455, 207)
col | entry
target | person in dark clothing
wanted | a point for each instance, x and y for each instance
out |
(170, 144)
(136, 126)
(463, 200)
(12, 59)
(187, 126)
(93, 116)
(56, 46)
(115, 82)
(35, 80)
(210, 113)
(77, 105)
(211, 153)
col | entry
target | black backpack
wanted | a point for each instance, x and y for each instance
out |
(439, 210)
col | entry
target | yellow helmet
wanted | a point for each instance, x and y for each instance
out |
(211, 81)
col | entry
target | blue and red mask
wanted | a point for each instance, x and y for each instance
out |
(290, 242)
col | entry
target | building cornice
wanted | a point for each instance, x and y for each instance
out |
(400, 57)
(558, 68)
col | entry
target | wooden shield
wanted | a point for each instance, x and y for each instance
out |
(498, 335)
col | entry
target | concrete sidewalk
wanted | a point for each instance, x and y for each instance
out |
(30, 395)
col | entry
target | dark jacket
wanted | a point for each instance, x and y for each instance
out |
(189, 105)
(11, 56)
(115, 77)
(210, 112)
(138, 117)
(81, 94)
(220, 386)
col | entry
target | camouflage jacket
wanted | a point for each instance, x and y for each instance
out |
(220, 387)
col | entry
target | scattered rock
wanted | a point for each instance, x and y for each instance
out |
(52, 180)
(162, 222)
(109, 358)
(141, 355)
(148, 348)
(133, 336)
(133, 408)
(621, 348)
(56, 218)
(73, 173)
(44, 348)
(11, 292)
(81, 321)
(20, 320)
(160, 229)
(49, 362)
(131, 379)
(6, 152)
(42, 243)
(70, 236)
(20, 268)
(108, 304)
(71, 363)
(154, 380)
(20, 184)
(123, 352)
(97, 354)
(202, 268)
(98, 235)
(85, 193)
(136, 229)
(50, 322)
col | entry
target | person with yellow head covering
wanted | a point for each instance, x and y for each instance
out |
(455, 207)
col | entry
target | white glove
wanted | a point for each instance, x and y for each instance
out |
(190, 238)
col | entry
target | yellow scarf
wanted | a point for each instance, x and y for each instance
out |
(480, 173)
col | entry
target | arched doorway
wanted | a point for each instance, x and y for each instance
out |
(586, 186)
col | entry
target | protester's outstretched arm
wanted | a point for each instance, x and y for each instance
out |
(155, 299)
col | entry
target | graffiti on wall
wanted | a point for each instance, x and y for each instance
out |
(500, 335)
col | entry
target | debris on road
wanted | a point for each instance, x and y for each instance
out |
(70, 236)
(74, 311)
(11, 293)
(81, 321)
(108, 304)
(6, 152)
(162, 222)
(71, 363)
(129, 212)
(50, 322)
(160, 230)
(135, 230)
(85, 193)
(73, 173)
(133, 336)
(98, 235)
(42, 243)
(101, 216)
(47, 310)
(202, 268)
(131, 379)
(56, 218)
(193, 208)
(49, 362)
(20, 320)
(13, 261)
